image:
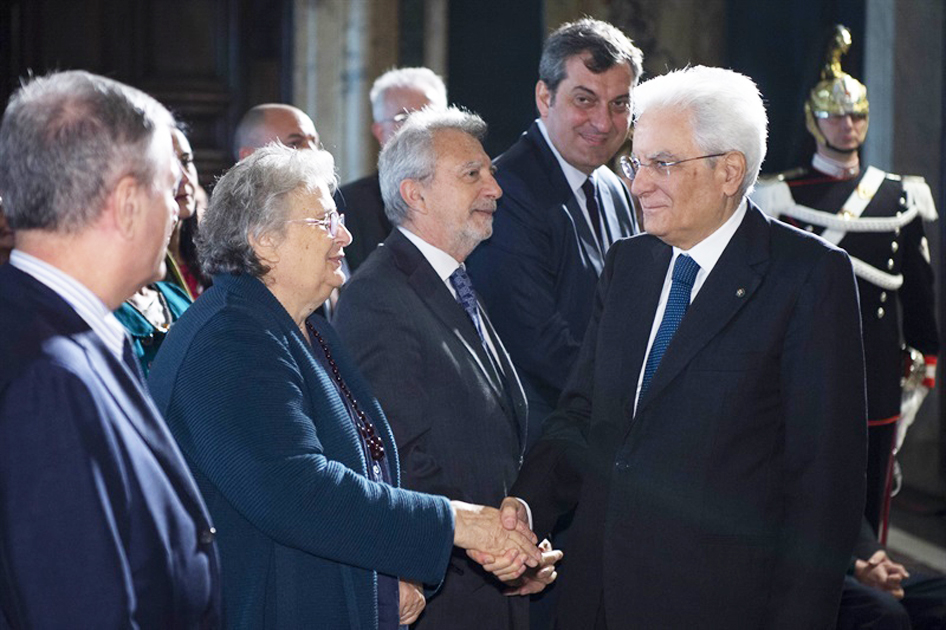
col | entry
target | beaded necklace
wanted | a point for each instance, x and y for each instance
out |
(362, 423)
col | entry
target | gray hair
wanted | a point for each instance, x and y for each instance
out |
(420, 78)
(725, 110)
(250, 201)
(67, 139)
(410, 153)
(606, 45)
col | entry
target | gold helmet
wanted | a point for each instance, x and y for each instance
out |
(838, 93)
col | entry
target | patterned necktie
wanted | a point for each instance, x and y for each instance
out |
(464, 287)
(591, 203)
(684, 273)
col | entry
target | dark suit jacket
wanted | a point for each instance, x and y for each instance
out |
(733, 497)
(101, 524)
(538, 271)
(364, 218)
(458, 431)
(301, 528)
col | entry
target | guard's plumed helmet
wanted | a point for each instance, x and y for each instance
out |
(838, 93)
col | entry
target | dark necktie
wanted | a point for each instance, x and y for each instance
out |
(591, 203)
(467, 298)
(684, 273)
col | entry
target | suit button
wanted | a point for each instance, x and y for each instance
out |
(881, 312)
(207, 536)
(883, 297)
(890, 263)
(894, 246)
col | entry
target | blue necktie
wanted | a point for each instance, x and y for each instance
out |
(684, 273)
(464, 287)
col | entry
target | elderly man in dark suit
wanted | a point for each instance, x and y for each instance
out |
(713, 432)
(562, 208)
(101, 524)
(416, 330)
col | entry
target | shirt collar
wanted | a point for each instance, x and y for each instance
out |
(708, 251)
(442, 262)
(85, 303)
(834, 168)
(573, 176)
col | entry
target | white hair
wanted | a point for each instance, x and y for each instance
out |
(423, 79)
(724, 107)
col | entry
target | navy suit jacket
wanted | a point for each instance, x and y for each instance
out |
(458, 431)
(101, 524)
(302, 529)
(733, 497)
(538, 271)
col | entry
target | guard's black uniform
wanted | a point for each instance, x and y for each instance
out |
(900, 251)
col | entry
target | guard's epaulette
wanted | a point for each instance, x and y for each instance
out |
(790, 174)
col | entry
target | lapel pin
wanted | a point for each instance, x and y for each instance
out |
(740, 292)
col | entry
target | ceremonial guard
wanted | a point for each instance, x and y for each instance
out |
(877, 218)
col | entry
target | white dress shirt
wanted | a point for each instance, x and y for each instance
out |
(85, 303)
(575, 179)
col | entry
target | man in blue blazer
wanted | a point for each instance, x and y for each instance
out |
(561, 208)
(713, 432)
(101, 524)
(440, 371)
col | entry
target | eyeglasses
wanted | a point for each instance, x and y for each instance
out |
(331, 222)
(632, 166)
(397, 118)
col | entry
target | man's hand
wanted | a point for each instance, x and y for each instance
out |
(509, 566)
(535, 580)
(882, 573)
(505, 552)
(412, 602)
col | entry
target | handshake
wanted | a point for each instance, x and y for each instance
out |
(502, 542)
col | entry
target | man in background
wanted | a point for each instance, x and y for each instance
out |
(394, 95)
(562, 208)
(269, 122)
(101, 523)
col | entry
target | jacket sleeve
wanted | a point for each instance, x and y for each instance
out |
(273, 444)
(824, 443)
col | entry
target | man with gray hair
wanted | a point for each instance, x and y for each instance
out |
(414, 324)
(394, 95)
(562, 208)
(101, 524)
(713, 432)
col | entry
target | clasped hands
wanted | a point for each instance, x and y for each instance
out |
(502, 542)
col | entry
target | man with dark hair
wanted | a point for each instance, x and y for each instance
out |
(562, 208)
(101, 524)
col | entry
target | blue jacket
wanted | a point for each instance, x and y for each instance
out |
(301, 530)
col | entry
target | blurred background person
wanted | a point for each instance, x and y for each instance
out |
(394, 95)
(290, 448)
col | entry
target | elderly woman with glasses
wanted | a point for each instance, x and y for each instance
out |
(289, 447)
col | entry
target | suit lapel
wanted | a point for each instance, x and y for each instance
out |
(517, 396)
(731, 284)
(434, 293)
(641, 306)
(587, 243)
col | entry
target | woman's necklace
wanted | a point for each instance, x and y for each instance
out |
(362, 423)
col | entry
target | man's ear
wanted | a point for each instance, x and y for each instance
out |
(543, 98)
(413, 195)
(377, 130)
(124, 206)
(734, 171)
